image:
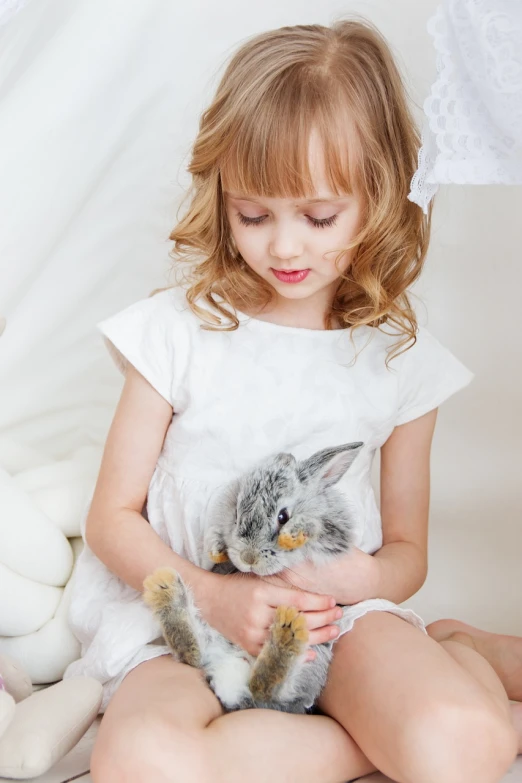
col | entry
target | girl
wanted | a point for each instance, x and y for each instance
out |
(290, 331)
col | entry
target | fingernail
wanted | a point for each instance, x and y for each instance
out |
(339, 614)
(332, 601)
(335, 632)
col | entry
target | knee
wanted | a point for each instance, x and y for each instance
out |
(455, 744)
(148, 750)
(437, 628)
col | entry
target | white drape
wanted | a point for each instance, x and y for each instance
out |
(473, 128)
(93, 130)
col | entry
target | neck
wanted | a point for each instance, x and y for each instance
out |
(303, 313)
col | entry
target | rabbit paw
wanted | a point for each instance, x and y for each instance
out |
(162, 589)
(289, 629)
(288, 639)
(218, 557)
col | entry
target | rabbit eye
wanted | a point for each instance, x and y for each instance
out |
(283, 516)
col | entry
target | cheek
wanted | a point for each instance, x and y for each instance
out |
(327, 248)
(343, 236)
(250, 244)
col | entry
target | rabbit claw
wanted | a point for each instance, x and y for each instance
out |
(289, 630)
(162, 589)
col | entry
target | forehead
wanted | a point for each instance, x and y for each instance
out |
(317, 170)
(329, 198)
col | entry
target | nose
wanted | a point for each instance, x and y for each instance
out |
(248, 557)
(285, 245)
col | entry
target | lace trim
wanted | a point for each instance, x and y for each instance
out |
(473, 127)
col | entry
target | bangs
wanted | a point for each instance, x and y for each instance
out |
(269, 151)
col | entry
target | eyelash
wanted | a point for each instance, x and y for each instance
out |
(325, 222)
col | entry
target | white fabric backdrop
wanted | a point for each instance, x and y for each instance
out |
(99, 101)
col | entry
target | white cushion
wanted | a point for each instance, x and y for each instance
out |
(16, 456)
(30, 544)
(46, 653)
(25, 605)
(47, 725)
(17, 682)
(7, 710)
(61, 490)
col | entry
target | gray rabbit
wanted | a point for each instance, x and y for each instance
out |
(276, 515)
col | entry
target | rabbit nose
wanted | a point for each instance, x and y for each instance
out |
(248, 557)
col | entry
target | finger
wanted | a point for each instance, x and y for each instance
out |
(324, 634)
(306, 602)
(310, 655)
(319, 619)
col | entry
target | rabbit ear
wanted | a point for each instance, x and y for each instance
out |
(328, 465)
(284, 459)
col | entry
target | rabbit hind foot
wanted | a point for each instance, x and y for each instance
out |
(288, 639)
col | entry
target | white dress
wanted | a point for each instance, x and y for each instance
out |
(238, 397)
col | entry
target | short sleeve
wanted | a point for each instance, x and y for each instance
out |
(152, 336)
(428, 375)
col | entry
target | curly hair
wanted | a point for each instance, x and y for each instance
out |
(278, 88)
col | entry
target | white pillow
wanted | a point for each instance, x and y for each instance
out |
(7, 710)
(16, 681)
(25, 605)
(61, 490)
(30, 544)
(47, 725)
(46, 653)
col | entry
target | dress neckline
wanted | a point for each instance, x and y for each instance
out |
(283, 328)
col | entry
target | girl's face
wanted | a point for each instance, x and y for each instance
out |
(277, 235)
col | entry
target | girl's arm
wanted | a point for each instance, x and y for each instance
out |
(115, 528)
(405, 496)
(398, 569)
(241, 609)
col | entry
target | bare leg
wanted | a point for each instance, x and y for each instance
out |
(165, 725)
(421, 712)
(272, 747)
(502, 652)
(516, 716)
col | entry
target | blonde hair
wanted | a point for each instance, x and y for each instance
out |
(278, 88)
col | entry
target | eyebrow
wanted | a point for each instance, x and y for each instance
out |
(304, 201)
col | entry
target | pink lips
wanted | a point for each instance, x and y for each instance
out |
(291, 277)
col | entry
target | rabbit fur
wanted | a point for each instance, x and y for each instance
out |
(276, 515)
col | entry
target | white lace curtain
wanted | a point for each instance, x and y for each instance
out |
(473, 126)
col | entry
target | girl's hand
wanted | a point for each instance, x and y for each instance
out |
(350, 578)
(242, 608)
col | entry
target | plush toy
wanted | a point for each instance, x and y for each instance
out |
(37, 728)
(42, 503)
(41, 508)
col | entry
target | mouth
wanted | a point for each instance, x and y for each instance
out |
(291, 275)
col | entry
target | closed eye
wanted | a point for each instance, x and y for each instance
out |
(318, 223)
